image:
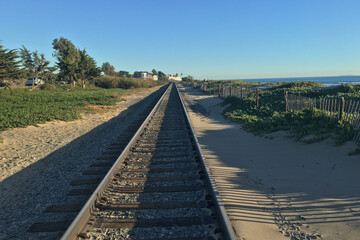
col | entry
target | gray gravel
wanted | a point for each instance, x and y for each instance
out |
(150, 233)
(160, 166)
(158, 183)
(158, 149)
(168, 174)
(151, 214)
(161, 159)
(195, 196)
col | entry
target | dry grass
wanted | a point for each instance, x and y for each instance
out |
(98, 109)
(118, 96)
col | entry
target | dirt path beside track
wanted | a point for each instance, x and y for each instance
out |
(277, 188)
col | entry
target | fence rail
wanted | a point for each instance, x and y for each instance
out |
(237, 92)
(296, 103)
(336, 109)
(339, 109)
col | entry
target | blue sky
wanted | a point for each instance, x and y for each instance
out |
(206, 39)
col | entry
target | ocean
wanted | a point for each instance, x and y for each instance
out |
(328, 81)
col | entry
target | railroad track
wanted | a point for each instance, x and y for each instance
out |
(158, 188)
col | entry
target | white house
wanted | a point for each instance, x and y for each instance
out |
(143, 75)
(173, 78)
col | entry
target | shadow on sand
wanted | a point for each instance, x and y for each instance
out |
(278, 181)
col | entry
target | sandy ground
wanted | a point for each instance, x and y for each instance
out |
(277, 188)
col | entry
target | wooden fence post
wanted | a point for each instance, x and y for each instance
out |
(328, 108)
(341, 110)
(351, 110)
(355, 111)
(286, 101)
(241, 93)
(257, 97)
(332, 108)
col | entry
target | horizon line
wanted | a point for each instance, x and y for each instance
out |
(285, 77)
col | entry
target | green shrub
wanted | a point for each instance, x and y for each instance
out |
(123, 82)
(48, 87)
(270, 117)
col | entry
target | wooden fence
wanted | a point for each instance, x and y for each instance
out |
(296, 103)
(337, 109)
(237, 92)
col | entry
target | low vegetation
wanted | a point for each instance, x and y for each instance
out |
(214, 85)
(307, 125)
(347, 91)
(123, 82)
(23, 107)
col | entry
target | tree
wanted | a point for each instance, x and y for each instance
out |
(187, 79)
(42, 65)
(161, 76)
(27, 60)
(124, 74)
(108, 69)
(49, 74)
(87, 67)
(154, 72)
(68, 58)
(9, 65)
(34, 63)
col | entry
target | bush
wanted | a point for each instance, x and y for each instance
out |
(123, 82)
(269, 118)
(48, 87)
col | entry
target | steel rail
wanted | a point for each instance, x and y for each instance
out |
(79, 223)
(219, 206)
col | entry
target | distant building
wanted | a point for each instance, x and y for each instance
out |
(155, 77)
(143, 75)
(174, 78)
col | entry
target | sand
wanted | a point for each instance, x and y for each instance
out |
(278, 188)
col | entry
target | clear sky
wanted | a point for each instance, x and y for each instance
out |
(204, 38)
